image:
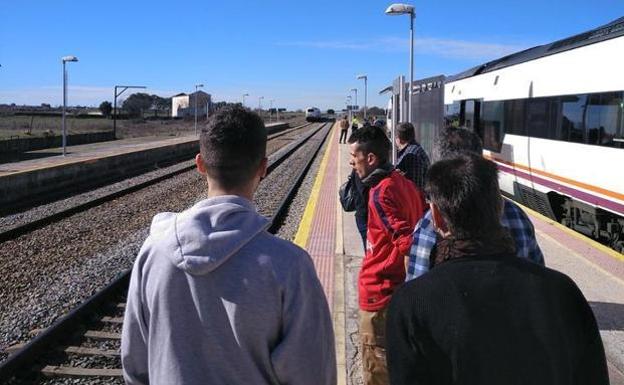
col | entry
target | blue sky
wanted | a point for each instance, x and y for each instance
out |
(298, 53)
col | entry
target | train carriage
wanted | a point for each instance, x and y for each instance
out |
(552, 118)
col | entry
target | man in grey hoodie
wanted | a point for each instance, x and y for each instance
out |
(214, 298)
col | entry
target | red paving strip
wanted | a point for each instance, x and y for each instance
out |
(322, 239)
(581, 247)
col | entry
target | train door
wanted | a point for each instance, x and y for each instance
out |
(469, 116)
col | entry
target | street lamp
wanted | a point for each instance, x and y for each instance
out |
(406, 9)
(115, 106)
(196, 97)
(355, 90)
(260, 102)
(365, 91)
(349, 107)
(244, 99)
(271, 110)
(65, 59)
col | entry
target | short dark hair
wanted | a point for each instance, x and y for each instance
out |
(465, 189)
(372, 139)
(453, 141)
(233, 144)
(405, 132)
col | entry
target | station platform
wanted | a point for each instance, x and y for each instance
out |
(331, 237)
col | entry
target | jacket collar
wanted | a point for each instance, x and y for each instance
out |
(381, 172)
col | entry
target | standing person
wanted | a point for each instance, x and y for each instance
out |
(482, 315)
(355, 124)
(214, 298)
(394, 206)
(450, 143)
(344, 128)
(412, 159)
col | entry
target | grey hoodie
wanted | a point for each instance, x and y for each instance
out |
(215, 299)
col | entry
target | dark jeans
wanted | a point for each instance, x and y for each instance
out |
(343, 134)
(362, 224)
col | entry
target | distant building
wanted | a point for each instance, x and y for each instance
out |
(183, 105)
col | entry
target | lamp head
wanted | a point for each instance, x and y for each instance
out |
(362, 77)
(69, 58)
(199, 85)
(400, 9)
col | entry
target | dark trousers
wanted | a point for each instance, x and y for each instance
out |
(362, 224)
(343, 134)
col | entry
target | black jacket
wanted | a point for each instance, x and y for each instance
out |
(493, 320)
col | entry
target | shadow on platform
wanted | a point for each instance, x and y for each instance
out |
(610, 316)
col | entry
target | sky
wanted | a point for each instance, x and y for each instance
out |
(296, 53)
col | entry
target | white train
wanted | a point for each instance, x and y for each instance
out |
(313, 114)
(552, 118)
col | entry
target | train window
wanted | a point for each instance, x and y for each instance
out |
(603, 119)
(514, 117)
(492, 123)
(542, 118)
(572, 110)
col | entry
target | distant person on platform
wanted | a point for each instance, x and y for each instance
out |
(482, 315)
(450, 143)
(412, 159)
(355, 124)
(394, 207)
(344, 129)
(214, 298)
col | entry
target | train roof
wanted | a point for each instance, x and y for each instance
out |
(608, 31)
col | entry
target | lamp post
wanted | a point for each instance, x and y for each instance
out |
(196, 97)
(365, 77)
(260, 102)
(406, 9)
(355, 90)
(244, 99)
(124, 88)
(349, 107)
(65, 59)
(271, 110)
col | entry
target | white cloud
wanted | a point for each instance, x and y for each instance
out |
(460, 49)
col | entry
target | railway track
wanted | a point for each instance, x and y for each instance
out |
(42, 353)
(16, 231)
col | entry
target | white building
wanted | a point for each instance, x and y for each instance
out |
(183, 105)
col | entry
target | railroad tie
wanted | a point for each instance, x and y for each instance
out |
(68, 371)
(92, 351)
(112, 320)
(102, 335)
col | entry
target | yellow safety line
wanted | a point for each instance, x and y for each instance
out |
(303, 232)
(589, 241)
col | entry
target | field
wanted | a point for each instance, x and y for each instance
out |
(28, 126)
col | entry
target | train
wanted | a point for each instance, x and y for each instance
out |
(313, 114)
(552, 118)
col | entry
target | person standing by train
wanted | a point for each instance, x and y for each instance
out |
(394, 207)
(451, 142)
(214, 298)
(412, 159)
(482, 315)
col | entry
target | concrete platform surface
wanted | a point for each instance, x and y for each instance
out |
(52, 157)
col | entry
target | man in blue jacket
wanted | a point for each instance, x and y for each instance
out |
(214, 298)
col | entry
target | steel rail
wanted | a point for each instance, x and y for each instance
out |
(25, 228)
(59, 330)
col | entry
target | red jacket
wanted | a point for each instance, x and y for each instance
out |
(395, 205)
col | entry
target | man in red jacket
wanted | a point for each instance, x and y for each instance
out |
(395, 205)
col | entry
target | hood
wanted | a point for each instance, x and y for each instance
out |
(209, 233)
